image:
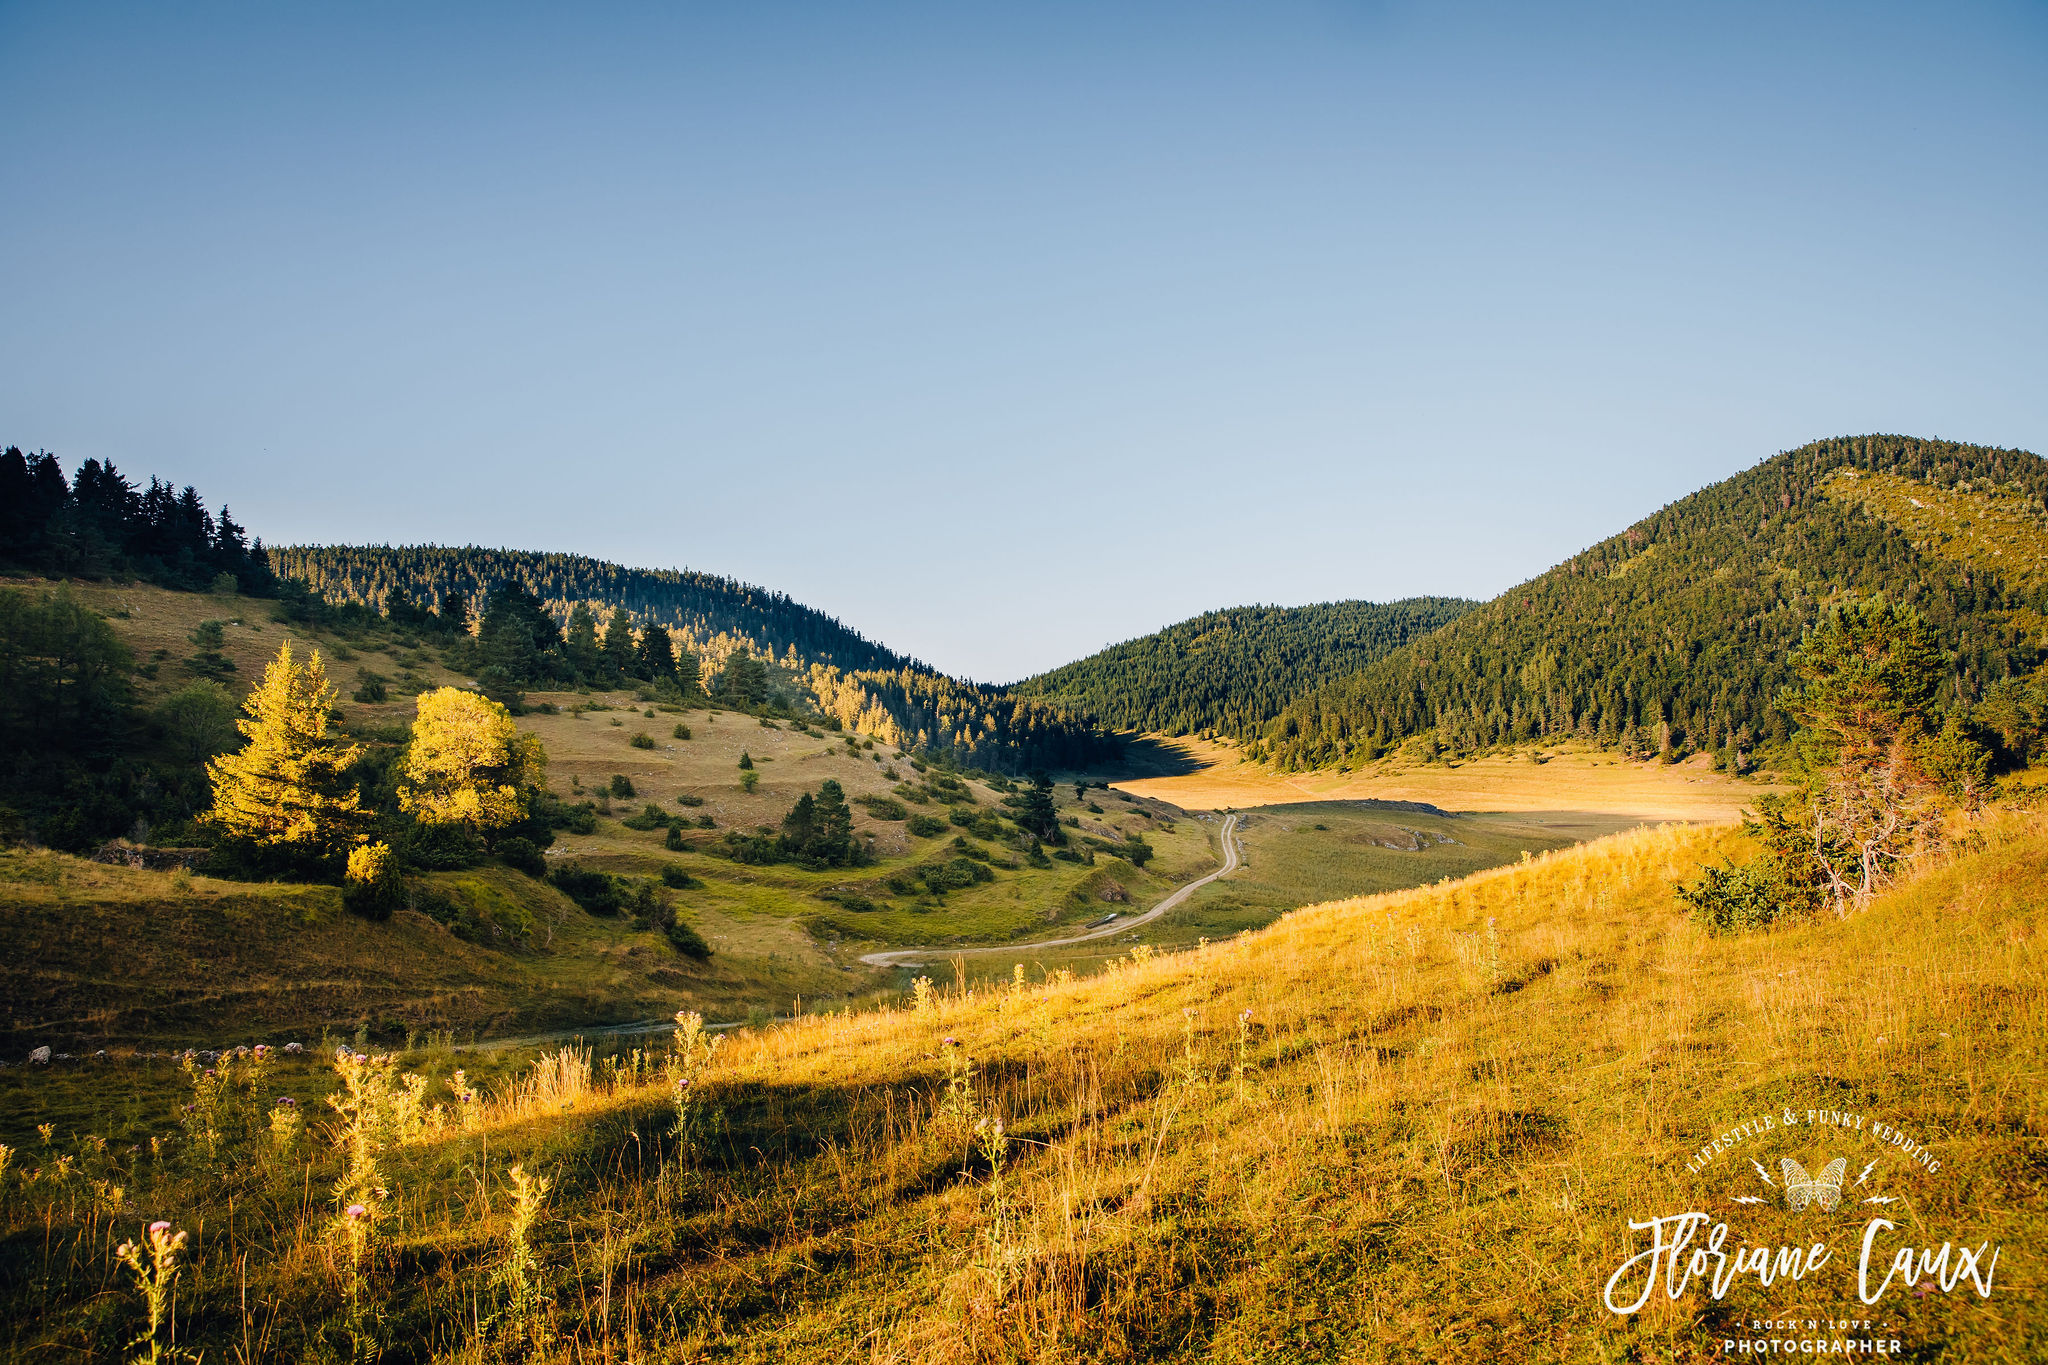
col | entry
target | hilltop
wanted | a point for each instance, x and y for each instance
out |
(1231, 671)
(1673, 636)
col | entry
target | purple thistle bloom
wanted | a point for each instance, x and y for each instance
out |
(357, 1212)
(159, 1227)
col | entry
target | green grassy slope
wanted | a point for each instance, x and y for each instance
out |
(1231, 671)
(1687, 618)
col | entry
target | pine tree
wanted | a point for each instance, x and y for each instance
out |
(1039, 814)
(619, 650)
(287, 786)
(657, 655)
(586, 655)
(689, 677)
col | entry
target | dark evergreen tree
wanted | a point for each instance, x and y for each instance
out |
(620, 651)
(657, 654)
(586, 655)
(1038, 813)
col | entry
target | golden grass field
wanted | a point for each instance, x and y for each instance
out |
(1407, 1126)
(1572, 778)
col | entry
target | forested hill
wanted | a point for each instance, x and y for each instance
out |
(864, 684)
(1675, 634)
(1232, 671)
(714, 613)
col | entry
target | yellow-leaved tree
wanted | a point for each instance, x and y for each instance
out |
(469, 764)
(287, 787)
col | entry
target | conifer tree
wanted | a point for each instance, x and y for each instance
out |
(619, 650)
(586, 655)
(657, 655)
(287, 785)
(468, 764)
(689, 676)
(1039, 814)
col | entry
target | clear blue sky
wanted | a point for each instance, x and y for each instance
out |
(1003, 332)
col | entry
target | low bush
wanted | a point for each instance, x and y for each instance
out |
(925, 826)
(622, 786)
(597, 892)
(883, 807)
(688, 941)
(672, 875)
(650, 817)
(521, 854)
(642, 740)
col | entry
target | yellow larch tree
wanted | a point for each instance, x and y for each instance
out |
(468, 763)
(287, 786)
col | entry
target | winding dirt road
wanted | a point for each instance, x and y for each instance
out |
(897, 957)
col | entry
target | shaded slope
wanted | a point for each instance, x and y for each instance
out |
(1231, 671)
(1686, 619)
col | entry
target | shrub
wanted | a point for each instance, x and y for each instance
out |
(883, 807)
(597, 892)
(371, 887)
(688, 941)
(521, 854)
(687, 800)
(749, 780)
(674, 842)
(672, 875)
(1136, 852)
(622, 786)
(1730, 899)
(925, 826)
(642, 740)
(441, 848)
(370, 687)
(650, 817)
(758, 849)
(682, 731)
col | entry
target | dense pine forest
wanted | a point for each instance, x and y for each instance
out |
(100, 524)
(1674, 635)
(1231, 671)
(550, 619)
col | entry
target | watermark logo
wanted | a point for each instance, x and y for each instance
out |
(1702, 1251)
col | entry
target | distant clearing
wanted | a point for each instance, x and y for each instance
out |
(1572, 778)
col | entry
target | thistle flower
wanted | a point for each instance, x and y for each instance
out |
(951, 1041)
(356, 1213)
(159, 1227)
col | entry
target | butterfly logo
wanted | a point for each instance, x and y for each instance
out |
(1824, 1189)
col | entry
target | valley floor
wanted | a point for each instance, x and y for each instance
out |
(1213, 774)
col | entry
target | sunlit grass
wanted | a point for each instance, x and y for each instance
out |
(1404, 1126)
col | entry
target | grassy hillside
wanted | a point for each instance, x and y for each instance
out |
(1678, 629)
(824, 664)
(103, 955)
(1232, 671)
(1409, 1126)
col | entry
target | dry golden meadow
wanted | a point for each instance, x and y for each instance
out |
(1406, 1126)
(1571, 777)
